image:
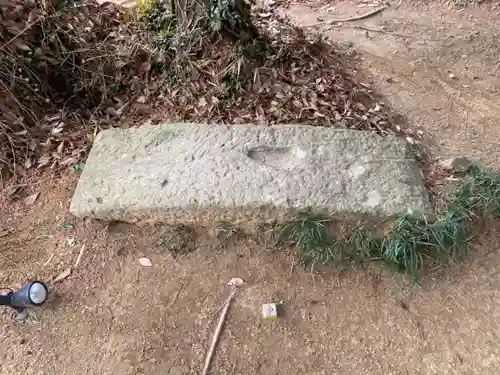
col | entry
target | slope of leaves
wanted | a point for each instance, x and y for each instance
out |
(59, 56)
(286, 75)
(89, 63)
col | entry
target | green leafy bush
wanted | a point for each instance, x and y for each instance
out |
(230, 15)
(158, 15)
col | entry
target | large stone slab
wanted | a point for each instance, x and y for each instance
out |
(194, 172)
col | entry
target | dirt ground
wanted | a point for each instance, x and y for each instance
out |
(436, 64)
(114, 316)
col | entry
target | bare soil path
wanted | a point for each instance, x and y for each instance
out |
(436, 63)
(114, 316)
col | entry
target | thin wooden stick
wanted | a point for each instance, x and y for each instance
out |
(356, 18)
(228, 299)
(215, 339)
(21, 32)
(176, 295)
(79, 258)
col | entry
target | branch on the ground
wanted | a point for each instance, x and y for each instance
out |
(356, 18)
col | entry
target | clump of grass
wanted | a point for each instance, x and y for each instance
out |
(225, 232)
(178, 239)
(267, 234)
(401, 247)
(411, 242)
(306, 231)
(478, 194)
(310, 235)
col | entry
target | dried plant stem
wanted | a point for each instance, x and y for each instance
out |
(29, 26)
(350, 19)
(80, 254)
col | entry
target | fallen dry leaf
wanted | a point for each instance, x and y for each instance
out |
(236, 281)
(60, 148)
(29, 200)
(145, 67)
(64, 274)
(202, 102)
(146, 262)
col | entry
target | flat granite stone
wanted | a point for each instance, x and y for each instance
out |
(204, 173)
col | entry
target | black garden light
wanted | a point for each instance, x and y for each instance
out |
(34, 293)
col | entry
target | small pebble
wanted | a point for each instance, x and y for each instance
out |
(458, 165)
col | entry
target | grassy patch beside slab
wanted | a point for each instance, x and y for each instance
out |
(410, 242)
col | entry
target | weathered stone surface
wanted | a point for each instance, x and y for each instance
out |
(204, 173)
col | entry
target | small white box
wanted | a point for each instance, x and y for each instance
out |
(269, 311)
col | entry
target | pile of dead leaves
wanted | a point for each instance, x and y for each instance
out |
(94, 65)
(294, 77)
(60, 61)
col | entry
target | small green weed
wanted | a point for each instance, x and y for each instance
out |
(306, 231)
(157, 15)
(309, 234)
(76, 168)
(229, 15)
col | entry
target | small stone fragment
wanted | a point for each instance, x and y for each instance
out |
(458, 165)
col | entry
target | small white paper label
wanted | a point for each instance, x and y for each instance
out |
(269, 310)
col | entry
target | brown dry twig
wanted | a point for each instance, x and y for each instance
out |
(234, 284)
(350, 19)
(174, 300)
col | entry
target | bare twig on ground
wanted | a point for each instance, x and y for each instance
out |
(350, 19)
(234, 283)
(48, 260)
(215, 339)
(79, 258)
(29, 26)
(176, 295)
(291, 268)
(379, 31)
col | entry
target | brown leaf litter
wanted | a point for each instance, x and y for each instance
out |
(287, 75)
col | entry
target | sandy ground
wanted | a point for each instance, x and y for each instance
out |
(114, 316)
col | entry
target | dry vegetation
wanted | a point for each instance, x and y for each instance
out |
(69, 68)
(60, 62)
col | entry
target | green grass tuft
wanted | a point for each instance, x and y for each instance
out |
(412, 241)
(309, 234)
